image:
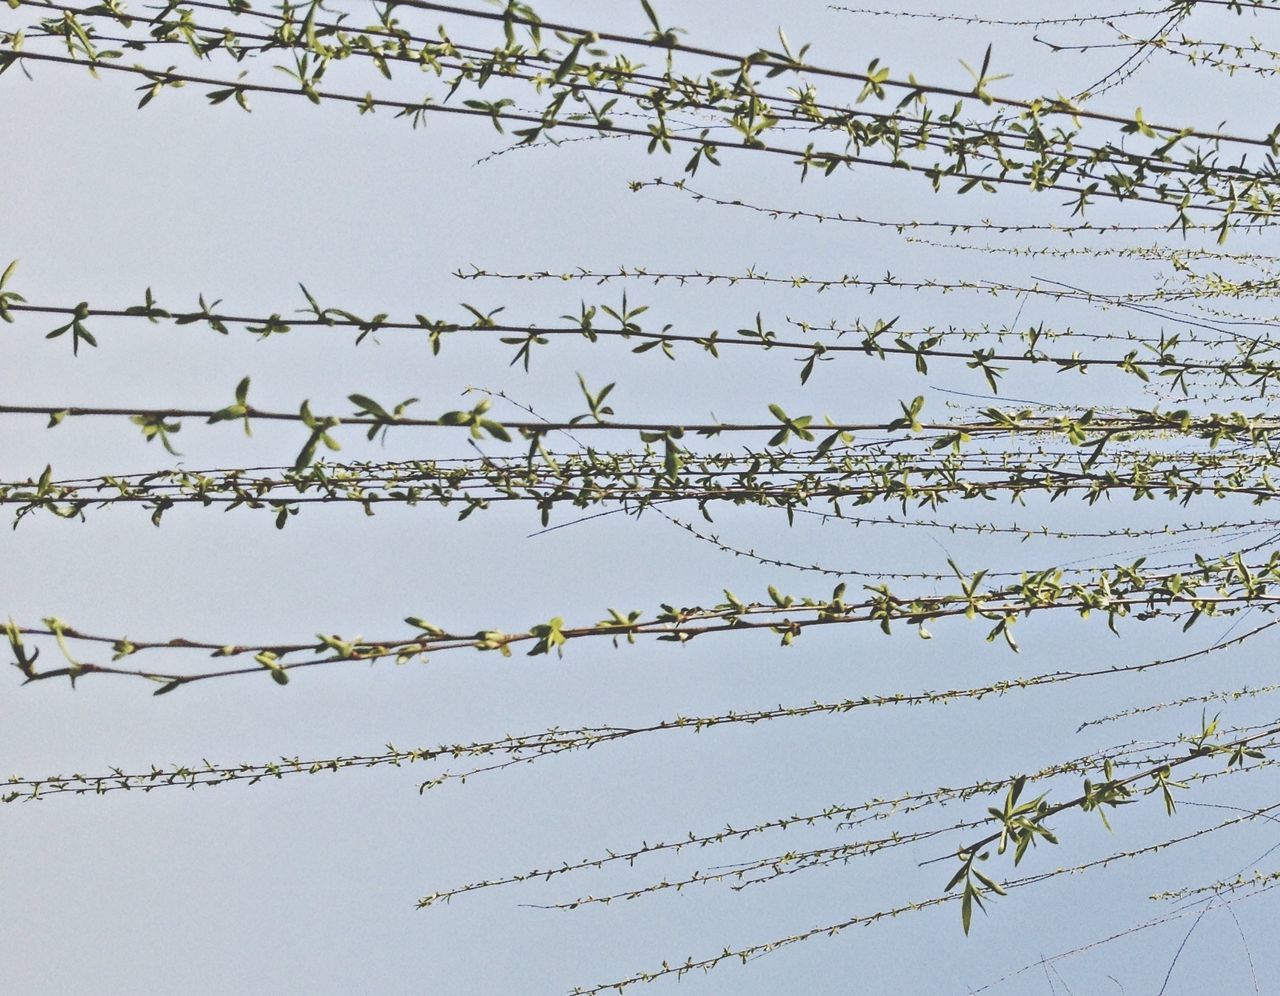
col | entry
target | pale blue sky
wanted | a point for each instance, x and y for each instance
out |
(309, 885)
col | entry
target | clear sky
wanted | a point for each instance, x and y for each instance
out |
(309, 884)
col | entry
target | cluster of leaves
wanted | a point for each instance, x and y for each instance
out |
(1245, 362)
(1033, 143)
(838, 480)
(1204, 589)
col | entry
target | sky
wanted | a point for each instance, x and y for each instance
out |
(310, 884)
